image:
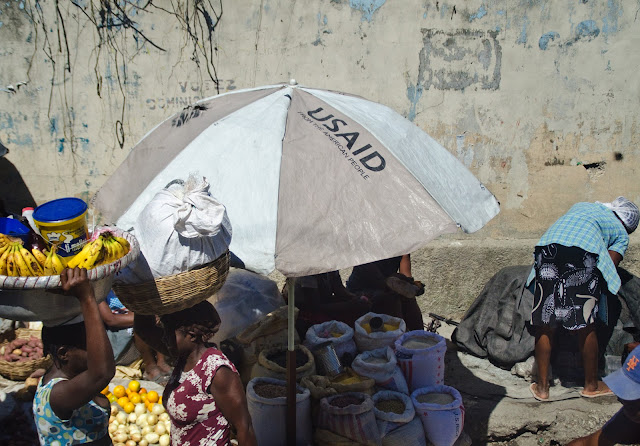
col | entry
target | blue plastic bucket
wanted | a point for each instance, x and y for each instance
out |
(63, 221)
(14, 228)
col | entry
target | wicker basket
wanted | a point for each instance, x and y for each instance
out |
(169, 294)
(19, 371)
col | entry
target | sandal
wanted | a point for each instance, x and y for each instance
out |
(532, 388)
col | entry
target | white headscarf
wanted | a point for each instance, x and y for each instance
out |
(626, 211)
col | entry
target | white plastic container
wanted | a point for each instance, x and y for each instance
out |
(28, 214)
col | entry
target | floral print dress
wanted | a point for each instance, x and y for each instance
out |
(196, 419)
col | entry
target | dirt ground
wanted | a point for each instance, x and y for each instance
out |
(500, 410)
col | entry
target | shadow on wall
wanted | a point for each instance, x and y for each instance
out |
(14, 193)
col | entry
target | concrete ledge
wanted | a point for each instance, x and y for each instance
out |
(455, 271)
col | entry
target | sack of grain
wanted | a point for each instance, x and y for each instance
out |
(442, 413)
(382, 366)
(420, 355)
(267, 402)
(350, 415)
(366, 339)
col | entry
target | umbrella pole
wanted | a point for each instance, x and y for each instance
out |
(291, 365)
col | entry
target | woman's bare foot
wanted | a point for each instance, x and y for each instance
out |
(540, 395)
(600, 389)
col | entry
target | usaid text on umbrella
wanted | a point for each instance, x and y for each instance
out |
(371, 160)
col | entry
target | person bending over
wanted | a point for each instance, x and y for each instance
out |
(575, 262)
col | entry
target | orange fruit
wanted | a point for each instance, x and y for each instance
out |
(129, 407)
(123, 401)
(135, 398)
(119, 391)
(134, 386)
(105, 391)
(160, 400)
(143, 398)
(152, 396)
(142, 390)
(150, 406)
(112, 398)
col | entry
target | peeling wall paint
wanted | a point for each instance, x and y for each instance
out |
(368, 7)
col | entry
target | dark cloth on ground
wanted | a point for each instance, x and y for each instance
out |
(567, 287)
(630, 294)
(495, 326)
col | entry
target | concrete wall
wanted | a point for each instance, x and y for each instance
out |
(538, 98)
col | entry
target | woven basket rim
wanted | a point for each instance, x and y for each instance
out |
(97, 273)
(161, 295)
(174, 277)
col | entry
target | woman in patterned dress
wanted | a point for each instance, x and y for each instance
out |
(68, 407)
(575, 262)
(204, 396)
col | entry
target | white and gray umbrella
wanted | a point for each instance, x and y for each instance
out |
(313, 181)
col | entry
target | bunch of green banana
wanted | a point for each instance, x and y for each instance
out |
(16, 260)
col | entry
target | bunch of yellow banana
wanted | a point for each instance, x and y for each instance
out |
(16, 260)
(104, 249)
(53, 263)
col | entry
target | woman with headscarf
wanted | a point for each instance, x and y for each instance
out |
(68, 407)
(576, 261)
(204, 396)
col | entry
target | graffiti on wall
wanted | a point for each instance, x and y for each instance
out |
(189, 93)
(459, 60)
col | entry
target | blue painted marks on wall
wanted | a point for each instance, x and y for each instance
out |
(610, 21)
(587, 30)
(543, 43)
(482, 11)
(368, 7)
(6, 121)
(53, 126)
(61, 145)
(414, 93)
(522, 39)
(84, 143)
(322, 20)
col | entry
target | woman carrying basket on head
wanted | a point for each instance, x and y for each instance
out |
(68, 406)
(204, 396)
